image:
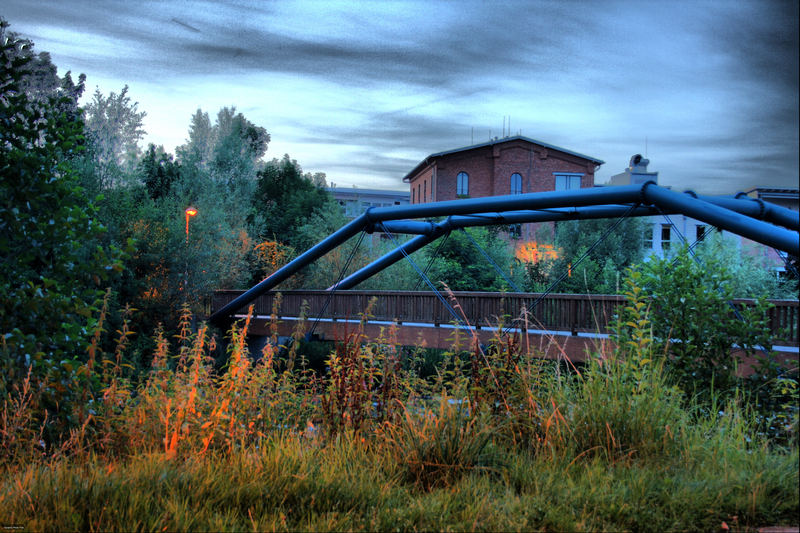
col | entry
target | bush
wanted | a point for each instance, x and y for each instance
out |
(54, 266)
(695, 323)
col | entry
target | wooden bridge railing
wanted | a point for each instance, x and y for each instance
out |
(556, 312)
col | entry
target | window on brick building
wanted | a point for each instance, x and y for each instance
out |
(516, 183)
(425, 191)
(567, 182)
(462, 184)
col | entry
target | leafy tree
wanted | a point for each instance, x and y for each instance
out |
(197, 151)
(284, 200)
(462, 267)
(229, 152)
(53, 267)
(215, 173)
(750, 276)
(239, 145)
(168, 269)
(158, 171)
(114, 124)
(601, 271)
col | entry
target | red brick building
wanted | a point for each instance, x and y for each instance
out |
(511, 165)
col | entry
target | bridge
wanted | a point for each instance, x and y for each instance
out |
(562, 324)
(426, 317)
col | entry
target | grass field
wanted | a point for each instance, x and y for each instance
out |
(495, 440)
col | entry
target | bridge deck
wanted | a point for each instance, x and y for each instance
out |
(561, 315)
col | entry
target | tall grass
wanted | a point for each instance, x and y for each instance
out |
(496, 439)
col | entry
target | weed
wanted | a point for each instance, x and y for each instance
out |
(494, 438)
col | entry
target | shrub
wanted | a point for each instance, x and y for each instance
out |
(436, 449)
(694, 321)
(623, 404)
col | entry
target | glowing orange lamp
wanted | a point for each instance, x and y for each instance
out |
(190, 212)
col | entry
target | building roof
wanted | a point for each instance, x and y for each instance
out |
(354, 191)
(774, 190)
(425, 162)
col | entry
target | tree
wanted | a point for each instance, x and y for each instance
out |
(750, 276)
(283, 201)
(158, 171)
(238, 142)
(694, 322)
(602, 270)
(462, 267)
(114, 124)
(197, 150)
(53, 264)
(229, 152)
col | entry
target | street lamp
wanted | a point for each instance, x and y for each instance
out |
(190, 212)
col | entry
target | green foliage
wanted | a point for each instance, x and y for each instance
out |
(145, 203)
(600, 272)
(54, 266)
(750, 276)
(167, 268)
(694, 321)
(284, 201)
(158, 171)
(114, 125)
(228, 152)
(462, 267)
(239, 142)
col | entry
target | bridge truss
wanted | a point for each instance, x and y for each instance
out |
(754, 219)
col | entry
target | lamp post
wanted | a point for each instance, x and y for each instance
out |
(190, 212)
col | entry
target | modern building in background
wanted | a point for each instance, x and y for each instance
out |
(664, 233)
(502, 166)
(355, 201)
(661, 233)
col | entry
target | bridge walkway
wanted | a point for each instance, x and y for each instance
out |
(561, 324)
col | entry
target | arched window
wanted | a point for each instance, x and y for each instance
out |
(516, 183)
(462, 185)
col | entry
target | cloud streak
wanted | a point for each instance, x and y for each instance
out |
(376, 87)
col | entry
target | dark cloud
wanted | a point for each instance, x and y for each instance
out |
(397, 132)
(483, 41)
(762, 41)
(713, 84)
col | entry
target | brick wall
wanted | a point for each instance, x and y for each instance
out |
(422, 187)
(490, 169)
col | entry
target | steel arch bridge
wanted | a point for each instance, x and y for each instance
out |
(754, 219)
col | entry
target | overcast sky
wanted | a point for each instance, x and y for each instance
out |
(364, 91)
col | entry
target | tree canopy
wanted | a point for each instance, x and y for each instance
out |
(54, 266)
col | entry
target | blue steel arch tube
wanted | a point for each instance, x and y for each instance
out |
(500, 209)
(748, 207)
